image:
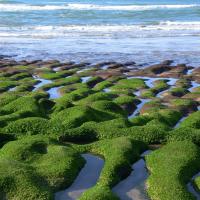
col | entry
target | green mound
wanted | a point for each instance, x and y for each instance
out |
(102, 85)
(7, 98)
(183, 105)
(26, 104)
(152, 132)
(28, 169)
(193, 121)
(55, 75)
(128, 84)
(5, 85)
(28, 126)
(109, 107)
(119, 154)
(196, 183)
(76, 116)
(171, 168)
(159, 86)
(185, 133)
(179, 92)
(95, 97)
(61, 82)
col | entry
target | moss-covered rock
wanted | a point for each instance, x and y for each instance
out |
(28, 126)
(170, 174)
(118, 153)
(192, 121)
(28, 169)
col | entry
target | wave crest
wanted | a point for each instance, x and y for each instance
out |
(26, 7)
(162, 29)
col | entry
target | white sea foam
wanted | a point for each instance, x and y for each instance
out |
(162, 26)
(183, 23)
(128, 7)
(26, 7)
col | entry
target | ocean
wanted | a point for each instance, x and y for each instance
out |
(145, 31)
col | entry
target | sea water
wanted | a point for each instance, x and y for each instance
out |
(145, 31)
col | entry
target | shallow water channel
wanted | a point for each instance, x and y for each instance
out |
(194, 85)
(41, 83)
(139, 107)
(191, 188)
(54, 92)
(85, 79)
(134, 187)
(87, 178)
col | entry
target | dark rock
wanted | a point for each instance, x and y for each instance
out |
(167, 62)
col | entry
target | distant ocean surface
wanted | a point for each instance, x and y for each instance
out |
(145, 31)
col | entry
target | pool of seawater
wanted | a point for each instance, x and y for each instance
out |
(87, 178)
(134, 186)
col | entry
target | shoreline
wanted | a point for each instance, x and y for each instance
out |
(12, 60)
